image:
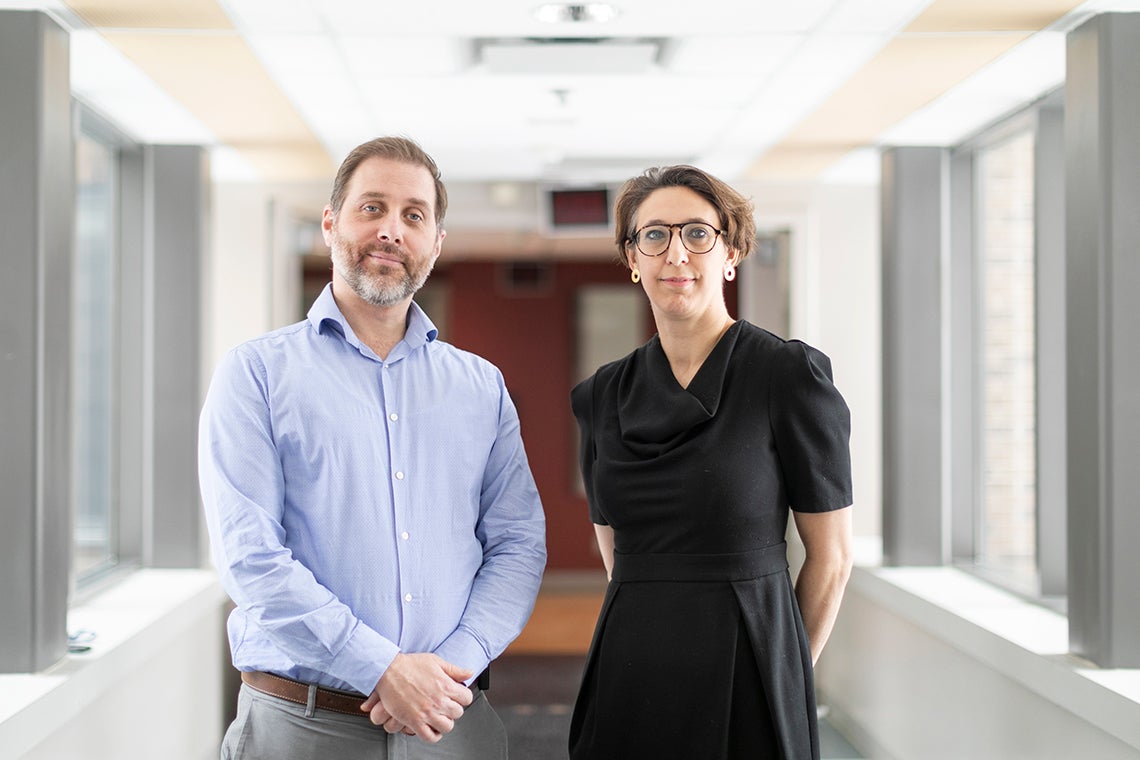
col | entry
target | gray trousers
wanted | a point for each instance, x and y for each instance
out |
(268, 728)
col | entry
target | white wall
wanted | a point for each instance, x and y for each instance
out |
(253, 273)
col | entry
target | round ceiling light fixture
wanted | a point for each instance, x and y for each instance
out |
(558, 13)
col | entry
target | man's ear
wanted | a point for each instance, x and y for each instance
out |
(439, 245)
(327, 219)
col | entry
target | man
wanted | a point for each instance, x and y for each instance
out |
(370, 506)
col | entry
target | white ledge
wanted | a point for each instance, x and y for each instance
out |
(131, 621)
(1021, 640)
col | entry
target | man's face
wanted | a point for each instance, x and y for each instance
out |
(384, 240)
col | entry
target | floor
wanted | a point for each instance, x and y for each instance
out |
(534, 683)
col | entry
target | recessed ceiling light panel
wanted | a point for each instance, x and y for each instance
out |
(559, 13)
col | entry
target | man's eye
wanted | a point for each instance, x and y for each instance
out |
(415, 216)
(371, 208)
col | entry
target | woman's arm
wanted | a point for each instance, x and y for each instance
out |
(605, 536)
(819, 586)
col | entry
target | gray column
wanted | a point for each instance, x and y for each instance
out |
(36, 215)
(177, 187)
(912, 233)
(962, 488)
(1102, 127)
(1051, 450)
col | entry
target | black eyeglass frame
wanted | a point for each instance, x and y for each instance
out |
(635, 238)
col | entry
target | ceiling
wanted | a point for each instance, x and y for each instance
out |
(750, 89)
(755, 91)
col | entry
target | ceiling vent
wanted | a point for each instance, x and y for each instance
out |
(562, 55)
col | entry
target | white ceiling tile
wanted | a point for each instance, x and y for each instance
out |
(758, 55)
(273, 16)
(873, 16)
(286, 56)
(723, 17)
(371, 55)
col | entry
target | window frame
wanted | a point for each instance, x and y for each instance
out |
(126, 506)
(967, 473)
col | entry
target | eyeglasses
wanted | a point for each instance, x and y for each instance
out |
(655, 239)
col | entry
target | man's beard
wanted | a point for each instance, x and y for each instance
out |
(386, 285)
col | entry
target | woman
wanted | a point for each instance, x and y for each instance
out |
(694, 447)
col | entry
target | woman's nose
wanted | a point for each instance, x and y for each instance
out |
(676, 253)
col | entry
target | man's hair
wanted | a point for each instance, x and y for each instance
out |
(394, 148)
(734, 209)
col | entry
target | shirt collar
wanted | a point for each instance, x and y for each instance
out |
(324, 313)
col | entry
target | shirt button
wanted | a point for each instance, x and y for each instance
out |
(405, 535)
(407, 597)
(393, 416)
(399, 476)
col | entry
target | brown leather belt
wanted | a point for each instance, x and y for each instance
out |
(295, 691)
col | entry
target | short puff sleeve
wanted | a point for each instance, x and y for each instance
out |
(812, 429)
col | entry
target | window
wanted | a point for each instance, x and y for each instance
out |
(1005, 368)
(103, 362)
(94, 443)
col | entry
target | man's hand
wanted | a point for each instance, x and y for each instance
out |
(381, 717)
(419, 694)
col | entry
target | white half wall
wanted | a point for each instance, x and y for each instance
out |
(932, 663)
(150, 687)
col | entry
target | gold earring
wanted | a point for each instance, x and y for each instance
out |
(635, 275)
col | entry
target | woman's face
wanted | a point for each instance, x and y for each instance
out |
(680, 284)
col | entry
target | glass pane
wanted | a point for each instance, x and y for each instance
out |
(611, 321)
(93, 373)
(1008, 539)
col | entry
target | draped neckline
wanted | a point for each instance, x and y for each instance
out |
(654, 411)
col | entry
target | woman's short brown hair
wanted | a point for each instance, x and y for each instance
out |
(734, 209)
(398, 149)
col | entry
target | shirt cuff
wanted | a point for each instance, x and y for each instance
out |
(463, 649)
(363, 660)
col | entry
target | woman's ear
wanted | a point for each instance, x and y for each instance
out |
(630, 255)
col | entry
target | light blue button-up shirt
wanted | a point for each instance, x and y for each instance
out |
(359, 507)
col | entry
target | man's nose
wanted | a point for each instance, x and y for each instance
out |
(390, 231)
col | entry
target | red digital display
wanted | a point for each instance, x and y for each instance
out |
(580, 207)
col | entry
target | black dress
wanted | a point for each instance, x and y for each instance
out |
(699, 650)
